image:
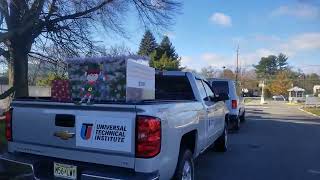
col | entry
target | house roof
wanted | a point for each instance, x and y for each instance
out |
(296, 89)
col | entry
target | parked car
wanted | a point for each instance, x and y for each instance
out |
(153, 139)
(235, 104)
(279, 98)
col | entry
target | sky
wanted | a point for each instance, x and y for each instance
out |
(207, 32)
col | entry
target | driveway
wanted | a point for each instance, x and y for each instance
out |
(277, 142)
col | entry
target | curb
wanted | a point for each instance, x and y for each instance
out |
(309, 113)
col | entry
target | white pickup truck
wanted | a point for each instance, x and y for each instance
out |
(156, 139)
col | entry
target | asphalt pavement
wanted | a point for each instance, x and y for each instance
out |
(277, 142)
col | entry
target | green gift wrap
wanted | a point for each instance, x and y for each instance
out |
(116, 78)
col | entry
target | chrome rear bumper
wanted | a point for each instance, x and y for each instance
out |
(39, 167)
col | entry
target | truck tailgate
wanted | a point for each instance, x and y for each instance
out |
(106, 133)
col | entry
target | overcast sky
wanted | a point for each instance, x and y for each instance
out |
(207, 32)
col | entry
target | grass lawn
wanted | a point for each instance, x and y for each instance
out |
(248, 100)
(313, 110)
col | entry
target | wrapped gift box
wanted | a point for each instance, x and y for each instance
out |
(60, 90)
(121, 78)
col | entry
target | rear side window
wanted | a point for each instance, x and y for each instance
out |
(219, 87)
(173, 88)
(208, 89)
(201, 89)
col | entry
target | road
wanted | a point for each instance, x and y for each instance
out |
(277, 142)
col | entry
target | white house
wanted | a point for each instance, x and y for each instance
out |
(316, 89)
(296, 94)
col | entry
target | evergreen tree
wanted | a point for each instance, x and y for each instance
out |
(167, 47)
(165, 63)
(282, 62)
(148, 44)
(267, 67)
(165, 56)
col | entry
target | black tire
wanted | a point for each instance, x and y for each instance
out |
(243, 117)
(236, 124)
(221, 144)
(185, 156)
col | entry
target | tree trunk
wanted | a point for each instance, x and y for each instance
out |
(18, 66)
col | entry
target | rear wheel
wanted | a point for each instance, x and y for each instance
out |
(185, 167)
(243, 117)
(221, 144)
(236, 124)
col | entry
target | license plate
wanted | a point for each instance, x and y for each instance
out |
(65, 171)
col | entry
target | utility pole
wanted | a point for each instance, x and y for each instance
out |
(237, 68)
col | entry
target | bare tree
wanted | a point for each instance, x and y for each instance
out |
(117, 50)
(28, 27)
(209, 72)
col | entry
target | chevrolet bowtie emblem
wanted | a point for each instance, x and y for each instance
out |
(64, 135)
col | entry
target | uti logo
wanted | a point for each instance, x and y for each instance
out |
(86, 131)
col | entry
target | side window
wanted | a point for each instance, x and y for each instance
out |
(202, 91)
(208, 89)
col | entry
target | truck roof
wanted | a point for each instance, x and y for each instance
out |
(221, 79)
(178, 73)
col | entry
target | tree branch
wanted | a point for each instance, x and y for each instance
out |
(6, 35)
(79, 14)
(4, 53)
(52, 9)
(48, 59)
(7, 93)
(4, 8)
(36, 8)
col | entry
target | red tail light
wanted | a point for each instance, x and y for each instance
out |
(8, 125)
(148, 136)
(234, 104)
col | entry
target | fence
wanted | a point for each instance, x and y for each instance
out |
(312, 102)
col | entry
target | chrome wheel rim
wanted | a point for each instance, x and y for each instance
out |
(187, 171)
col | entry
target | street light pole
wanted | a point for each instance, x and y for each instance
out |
(224, 68)
(262, 85)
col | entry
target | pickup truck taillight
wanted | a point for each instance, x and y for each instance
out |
(8, 123)
(148, 136)
(234, 104)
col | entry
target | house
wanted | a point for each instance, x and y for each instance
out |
(296, 94)
(316, 90)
